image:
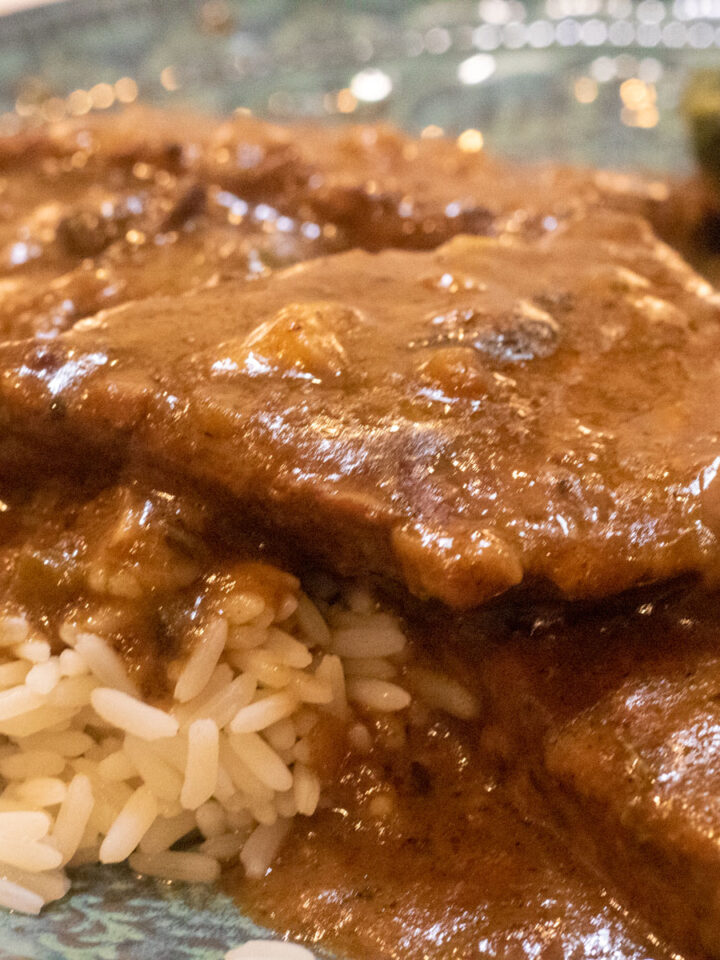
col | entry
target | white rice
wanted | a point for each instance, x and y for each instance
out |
(262, 760)
(439, 690)
(376, 635)
(306, 789)
(17, 701)
(89, 771)
(130, 826)
(32, 763)
(163, 779)
(13, 629)
(201, 768)
(72, 817)
(262, 713)
(281, 735)
(241, 608)
(43, 677)
(311, 623)
(211, 819)
(105, 663)
(380, 695)
(166, 831)
(132, 715)
(202, 661)
(13, 896)
(262, 846)
(31, 855)
(269, 950)
(36, 651)
(13, 673)
(227, 846)
(40, 791)
(72, 664)
(379, 667)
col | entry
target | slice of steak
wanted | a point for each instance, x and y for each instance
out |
(111, 208)
(464, 421)
(617, 712)
(385, 189)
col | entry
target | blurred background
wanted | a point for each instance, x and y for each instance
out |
(595, 81)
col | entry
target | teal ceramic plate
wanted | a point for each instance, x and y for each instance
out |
(114, 915)
(589, 81)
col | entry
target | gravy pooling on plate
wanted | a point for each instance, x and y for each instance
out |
(589, 782)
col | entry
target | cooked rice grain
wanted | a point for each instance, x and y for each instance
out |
(166, 831)
(201, 770)
(39, 791)
(132, 715)
(377, 695)
(262, 846)
(43, 677)
(262, 760)
(130, 826)
(72, 817)
(442, 692)
(262, 713)
(104, 662)
(269, 950)
(13, 629)
(378, 636)
(36, 651)
(32, 825)
(211, 819)
(13, 896)
(202, 661)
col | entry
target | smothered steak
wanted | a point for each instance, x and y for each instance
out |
(496, 412)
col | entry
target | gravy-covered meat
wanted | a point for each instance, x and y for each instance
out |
(379, 186)
(385, 189)
(614, 715)
(111, 208)
(464, 421)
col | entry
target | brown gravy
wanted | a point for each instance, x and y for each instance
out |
(578, 817)
(492, 413)
(591, 784)
(424, 854)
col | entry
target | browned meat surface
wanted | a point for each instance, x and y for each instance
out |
(108, 209)
(466, 420)
(381, 186)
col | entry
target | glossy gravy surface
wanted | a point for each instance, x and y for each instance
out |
(493, 413)
(577, 819)
(539, 406)
(446, 868)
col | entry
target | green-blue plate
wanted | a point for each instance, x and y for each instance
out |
(114, 915)
(540, 80)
